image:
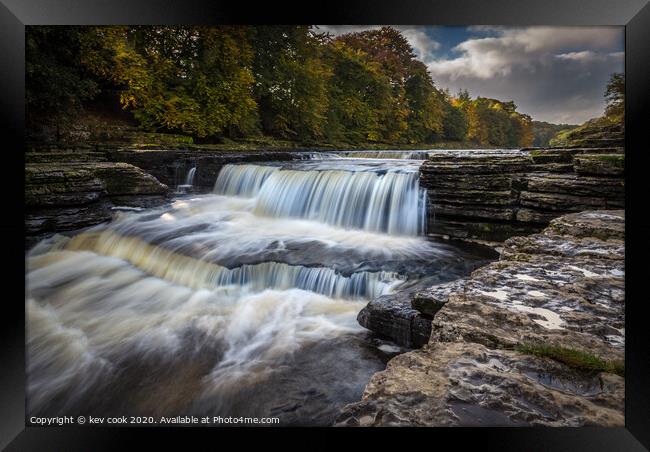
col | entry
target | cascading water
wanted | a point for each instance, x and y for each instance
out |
(242, 302)
(189, 181)
(389, 201)
(415, 155)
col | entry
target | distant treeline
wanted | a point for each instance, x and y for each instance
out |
(288, 82)
(544, 132)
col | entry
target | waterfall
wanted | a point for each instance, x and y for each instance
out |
(189, 179)
(413, 155)
(242, 180)
(379, 201)
(199, 274)
(252, 289)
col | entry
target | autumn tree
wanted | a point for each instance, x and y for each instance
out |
(290, 81)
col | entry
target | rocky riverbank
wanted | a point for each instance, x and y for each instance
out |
(536, 338)
(70, 188)
(171, 166)
(73, 195)
(494, 195)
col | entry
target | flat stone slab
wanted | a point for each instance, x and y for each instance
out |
(470, 385)
(500, 338)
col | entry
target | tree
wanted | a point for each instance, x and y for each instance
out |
(357, 91)
(195, 80)
(291, 81)
(615, 95)
(414, 110)
(288, 82)
(56, 83)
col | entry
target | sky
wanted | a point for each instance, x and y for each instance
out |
(554, 74)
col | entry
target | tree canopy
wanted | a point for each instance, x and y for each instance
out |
(289, 82)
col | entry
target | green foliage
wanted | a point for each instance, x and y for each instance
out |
(574, 358)
(195, 80)
(597, 128)
(455, 123)
(358, 90)
(496, 123)
(56, 84)
(290, 81)
(615, 95)
(286, 82)
(543, 132)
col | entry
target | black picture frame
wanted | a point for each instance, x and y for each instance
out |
(633, 14)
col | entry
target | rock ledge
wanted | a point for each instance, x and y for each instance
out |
(560, 291)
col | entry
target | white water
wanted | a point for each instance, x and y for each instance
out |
(242, 180)
(189, 179)
(390, 201)
(215, 303)
(419, 155)
(199, 274)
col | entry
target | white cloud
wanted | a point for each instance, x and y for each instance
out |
(523, 48)
(589, 56)
(584, 56)
(423, 45)
(555, 74)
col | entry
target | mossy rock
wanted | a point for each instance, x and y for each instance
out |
(579, 360)
(600, 164)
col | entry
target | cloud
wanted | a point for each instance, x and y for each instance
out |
(555, 74)
(522, 48)
(423, 45)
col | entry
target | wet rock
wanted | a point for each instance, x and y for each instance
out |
(562, 290)
(522, 188)
(69, 196)
(170, 166)
(392, 316)
(466, 384)
(431, 300)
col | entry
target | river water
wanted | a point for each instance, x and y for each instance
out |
(240, 302)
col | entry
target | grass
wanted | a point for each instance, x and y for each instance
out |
(611, 158)
(574, 358)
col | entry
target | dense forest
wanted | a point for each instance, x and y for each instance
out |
(286, 82)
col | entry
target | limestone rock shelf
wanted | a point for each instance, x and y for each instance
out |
(536, 338)
(494, 195)
(171, 166)
(68, 196)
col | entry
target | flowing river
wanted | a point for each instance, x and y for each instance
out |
(240, 302)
